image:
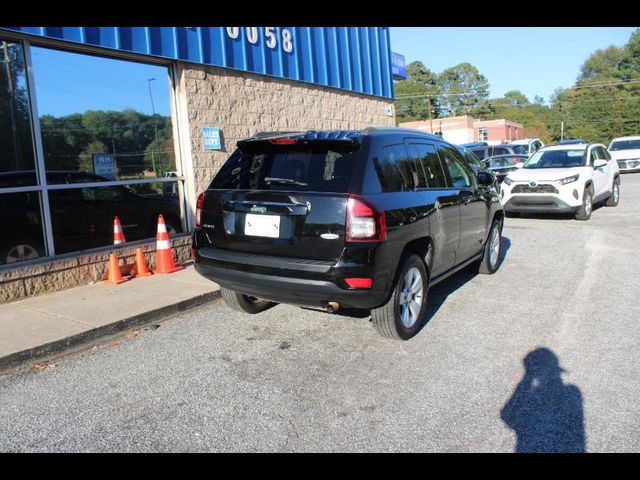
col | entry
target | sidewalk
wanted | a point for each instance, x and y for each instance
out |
(39, 326)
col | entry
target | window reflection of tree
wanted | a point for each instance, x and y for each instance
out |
(16, 144)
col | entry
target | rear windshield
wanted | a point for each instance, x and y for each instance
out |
(625, 145)
(307, 169)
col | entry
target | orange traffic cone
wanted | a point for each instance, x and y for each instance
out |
(118, 236)
(114, 276)
(164, 256)
(140, 268)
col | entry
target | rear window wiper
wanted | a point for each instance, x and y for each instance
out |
(288, 181)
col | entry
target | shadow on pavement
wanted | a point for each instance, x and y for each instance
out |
(545, 413)
(438, 294)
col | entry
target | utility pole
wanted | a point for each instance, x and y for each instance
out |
(562, 130)
(14, 128)
(155, 124)
(430, 120)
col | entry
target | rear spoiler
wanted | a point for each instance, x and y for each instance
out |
(308, 139)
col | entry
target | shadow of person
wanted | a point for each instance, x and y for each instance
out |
(546, 414)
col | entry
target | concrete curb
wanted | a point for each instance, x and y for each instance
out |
(17, 359)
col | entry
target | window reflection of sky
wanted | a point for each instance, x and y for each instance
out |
(73, 83)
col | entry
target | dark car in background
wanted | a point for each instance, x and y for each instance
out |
(82, 218)
(501, 165)
(366, 219)
(493, 150)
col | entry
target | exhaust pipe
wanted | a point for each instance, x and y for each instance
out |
(333, 307)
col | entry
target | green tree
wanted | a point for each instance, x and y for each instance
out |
(465, 91)
(414, 94)
(85, 159)
(515, 98)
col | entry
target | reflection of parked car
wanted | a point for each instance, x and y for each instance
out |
(563, 179)
(626, 151)
(501, 165)
(365, 219)
(82, 218)
(21, 237)
(526, 146)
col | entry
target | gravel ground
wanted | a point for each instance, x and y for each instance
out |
(293, 379)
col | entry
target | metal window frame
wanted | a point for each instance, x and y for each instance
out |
(43, 187)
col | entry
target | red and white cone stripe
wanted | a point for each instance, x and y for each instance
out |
(162, 237)
(118, 235)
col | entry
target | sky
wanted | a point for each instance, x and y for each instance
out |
(534, 60)
(71, 83)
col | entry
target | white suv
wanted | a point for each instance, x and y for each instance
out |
(626, 151)
(563, 179)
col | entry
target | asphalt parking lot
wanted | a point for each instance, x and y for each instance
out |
(293, 379)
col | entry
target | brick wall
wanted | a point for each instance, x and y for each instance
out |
(241, 104)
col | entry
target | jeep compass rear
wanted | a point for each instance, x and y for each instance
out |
(302, 218)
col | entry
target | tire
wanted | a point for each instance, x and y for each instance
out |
(614, 198)
(244, 303)
(584, 213)
(395, 319)
(492, 250)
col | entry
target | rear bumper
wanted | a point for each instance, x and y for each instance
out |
(291, 290)
(296, 281)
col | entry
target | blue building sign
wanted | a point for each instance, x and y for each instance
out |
(211, 138)
(104, 166)
(350, 58)
(397, 65)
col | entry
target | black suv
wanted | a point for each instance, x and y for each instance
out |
(366, 219)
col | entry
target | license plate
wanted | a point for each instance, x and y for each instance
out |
(262, 225)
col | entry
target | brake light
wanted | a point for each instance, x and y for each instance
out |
(199, 204)
(363, 223)
(358, 282)
(284, 141)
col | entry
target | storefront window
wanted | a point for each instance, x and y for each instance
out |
(21, 237)
(103, 117)
(83, 217)
(17, 161)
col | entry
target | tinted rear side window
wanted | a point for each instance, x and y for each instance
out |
(394, 169)
(316, 169)
(429, 167)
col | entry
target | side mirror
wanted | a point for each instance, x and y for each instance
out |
(599, 163)
(485, 179)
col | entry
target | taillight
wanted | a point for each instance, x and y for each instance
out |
(358, 282)
(363, 223)
(199, 204)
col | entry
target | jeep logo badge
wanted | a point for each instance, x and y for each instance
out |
(533, 184)
(257, 209)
